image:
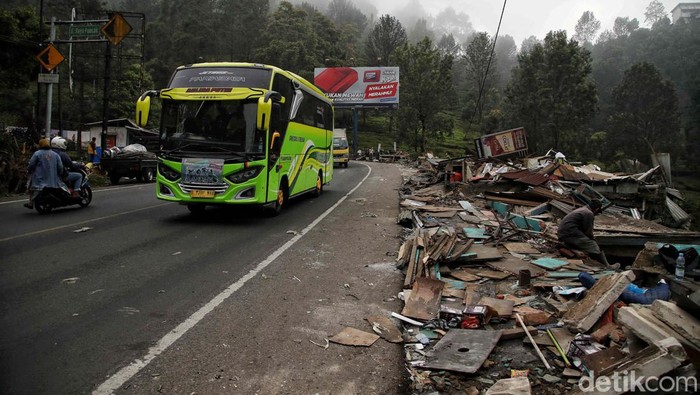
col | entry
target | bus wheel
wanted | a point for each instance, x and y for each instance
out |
(280, 201)
(319, 186)
(196, 209)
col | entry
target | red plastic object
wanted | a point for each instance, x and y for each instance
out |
(336, 79)
(470, 322)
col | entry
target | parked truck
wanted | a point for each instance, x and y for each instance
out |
(341, 149)
(139, 164)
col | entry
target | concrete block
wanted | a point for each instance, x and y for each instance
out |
(678, 319)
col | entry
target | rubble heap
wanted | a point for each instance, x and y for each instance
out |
(494, 304)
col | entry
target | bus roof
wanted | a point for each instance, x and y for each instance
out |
(275, 69)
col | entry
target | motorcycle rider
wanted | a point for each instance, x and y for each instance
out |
(74, 179)
(45, 168)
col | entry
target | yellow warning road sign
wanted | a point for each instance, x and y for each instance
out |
(116, 29)
(49, 57)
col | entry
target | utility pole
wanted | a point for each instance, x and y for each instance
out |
(49, 88)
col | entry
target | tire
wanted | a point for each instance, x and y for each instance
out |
(318, 189)
(345, 165)
(42, 206)
(148, 175)
(114, 179)
(85, 196)
(281, 201)
(196, 208)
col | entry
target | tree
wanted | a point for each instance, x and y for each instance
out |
(20, 43)
(528, 44)
(451, 22)
(238, 19)
(420, 31)
(645, 118)
(384, 38)
(623, 27)
(425, 77)
(654, 13)
(480, 65)
(448, 46)
(551, 94)
(344, 12)
(586, 28)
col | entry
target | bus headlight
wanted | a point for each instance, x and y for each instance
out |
(244, 175)
(167, 172)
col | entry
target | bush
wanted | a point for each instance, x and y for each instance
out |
(15, 150)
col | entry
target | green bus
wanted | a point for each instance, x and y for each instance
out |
(240, 133)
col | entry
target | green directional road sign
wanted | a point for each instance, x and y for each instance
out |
(85, 31)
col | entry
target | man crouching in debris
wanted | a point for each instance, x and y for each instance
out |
(576, 231)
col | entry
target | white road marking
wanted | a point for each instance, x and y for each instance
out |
(93, 191)
(81, 222)
(127, 372)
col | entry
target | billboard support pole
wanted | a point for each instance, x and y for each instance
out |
(354, 131)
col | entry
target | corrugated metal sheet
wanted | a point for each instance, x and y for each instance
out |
(534, 179)
(678, 214)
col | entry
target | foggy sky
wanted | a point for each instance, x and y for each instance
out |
(522, 18)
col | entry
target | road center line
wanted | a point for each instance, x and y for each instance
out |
(81, 222)
(127, 372)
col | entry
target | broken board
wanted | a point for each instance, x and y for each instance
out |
(424, 301)
(550, 263)
(514, 265)
(521, 248)
(462, 350)
(354, 337)
(484, 253)
(385, 328)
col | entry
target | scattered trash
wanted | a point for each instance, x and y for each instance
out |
(83, 229)
(323, 346)
(70, 280)
(292, 232)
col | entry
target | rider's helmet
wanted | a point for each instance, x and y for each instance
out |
(58, 142)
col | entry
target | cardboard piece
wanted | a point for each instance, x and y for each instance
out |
(503, 308)
(354, 337)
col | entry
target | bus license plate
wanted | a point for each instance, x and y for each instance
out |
(199, 193)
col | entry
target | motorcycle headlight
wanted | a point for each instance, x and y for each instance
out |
(244, 175)
(168, 173)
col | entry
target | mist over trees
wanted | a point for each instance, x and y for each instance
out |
(566, 89)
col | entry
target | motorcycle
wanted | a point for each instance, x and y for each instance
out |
(49, 198)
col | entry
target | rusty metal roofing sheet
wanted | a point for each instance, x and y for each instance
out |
(534, 179)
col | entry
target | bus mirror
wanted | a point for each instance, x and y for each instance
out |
(274, 138)
(143, 107)
(264, 111)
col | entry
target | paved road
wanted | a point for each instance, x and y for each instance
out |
(76, 307)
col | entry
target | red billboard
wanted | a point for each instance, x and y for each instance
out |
(501, 143)
(359, 86)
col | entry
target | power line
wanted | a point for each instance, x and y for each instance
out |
(488, 65)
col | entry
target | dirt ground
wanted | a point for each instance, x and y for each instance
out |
(270, 336)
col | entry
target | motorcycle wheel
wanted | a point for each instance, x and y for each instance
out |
(43, 206)
(85, 196)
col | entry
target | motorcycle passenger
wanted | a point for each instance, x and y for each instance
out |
(44, 168)
(74, 179)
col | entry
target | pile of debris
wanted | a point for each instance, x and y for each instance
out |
(492, 301)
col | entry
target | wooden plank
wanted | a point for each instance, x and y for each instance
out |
(424, 301)
(485, 253)
(464, 275)
(492, 274)
(583, 315)
(504, 308)
(521, 248)
(462, 350)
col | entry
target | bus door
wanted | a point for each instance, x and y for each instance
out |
(274, 160)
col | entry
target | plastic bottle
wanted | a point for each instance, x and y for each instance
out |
(680, 266)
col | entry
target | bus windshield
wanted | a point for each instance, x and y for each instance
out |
(340, 143)
(224, 128)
